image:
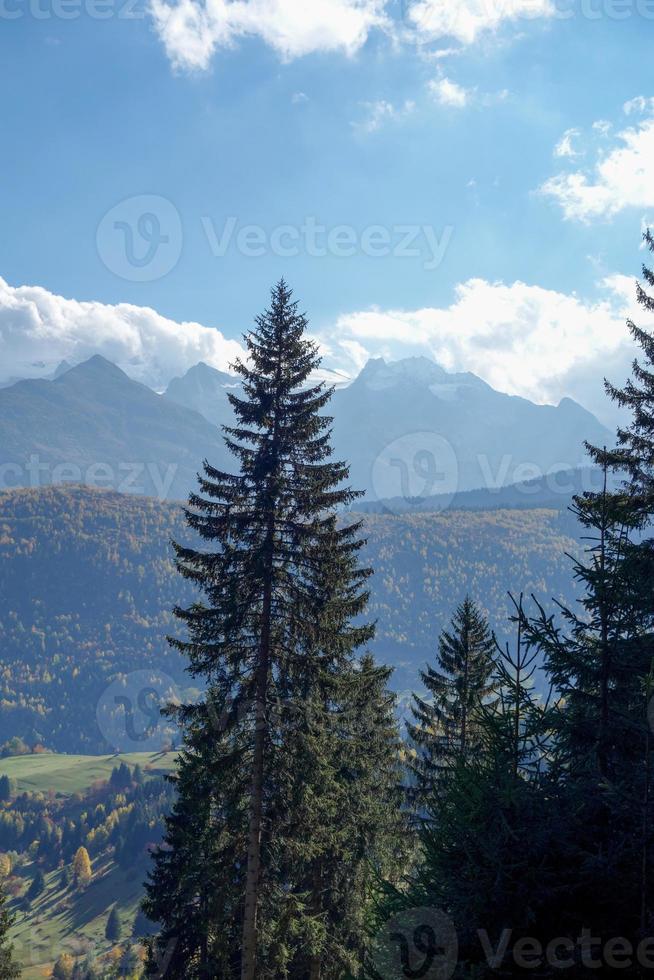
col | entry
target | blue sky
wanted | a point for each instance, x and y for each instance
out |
(441, 132)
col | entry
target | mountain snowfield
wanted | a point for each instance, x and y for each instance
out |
(408, 428)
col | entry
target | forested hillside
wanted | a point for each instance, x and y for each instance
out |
(75, 839)
(88, 585)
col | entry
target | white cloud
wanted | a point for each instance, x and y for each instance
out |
(192, 30)
(38, 329)
(638, 106)
(380, 112)
(449, 93)
(622, 176)
(465, 20)
(522, 339)
(299, 98)
(603, 127)
(564, 147)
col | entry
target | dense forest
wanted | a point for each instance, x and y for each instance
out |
(88, 584)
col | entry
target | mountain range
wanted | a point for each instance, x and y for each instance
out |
(409, 429)
(94, 425)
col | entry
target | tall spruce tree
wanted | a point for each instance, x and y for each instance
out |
(237, 885)
(444, 726)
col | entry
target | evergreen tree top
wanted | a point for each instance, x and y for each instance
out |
(634, 453)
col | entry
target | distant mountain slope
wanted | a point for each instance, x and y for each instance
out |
(94, 425)
(554, 491)
(411, 429)
(204, 389)
(88, 584)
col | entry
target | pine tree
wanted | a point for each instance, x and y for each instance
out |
(600, 661)
(8, 967)
(634, 454)
(113, 930)
(283, 587)
(444, 726)
(516, 721)
(485, 840)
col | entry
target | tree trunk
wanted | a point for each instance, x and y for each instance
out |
(249, 954)
(315, 969)
(518, 697)
(644, 871)
(464, 700)
(602, 741)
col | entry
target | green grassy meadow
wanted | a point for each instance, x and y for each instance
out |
(68, 774)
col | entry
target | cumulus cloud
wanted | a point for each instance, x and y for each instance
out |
(192, 30)
(465, 20)
(520, 338)
(39, 329)
(449, 93)
(622, 176)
